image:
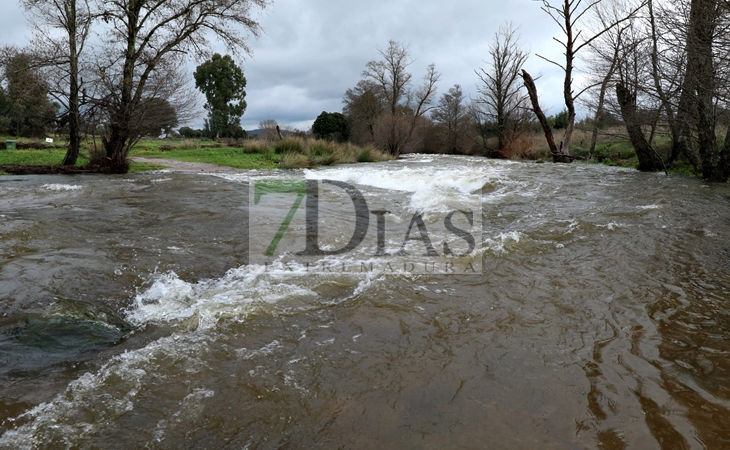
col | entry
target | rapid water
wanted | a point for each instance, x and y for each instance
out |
(600, 318)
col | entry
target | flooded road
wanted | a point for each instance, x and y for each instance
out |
(600, 318)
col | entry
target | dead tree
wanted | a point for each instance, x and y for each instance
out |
(532, 92)
(567, 15)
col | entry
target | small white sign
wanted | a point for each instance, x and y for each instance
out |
(49, 140)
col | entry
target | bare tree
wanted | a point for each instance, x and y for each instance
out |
(451, 115)
(393, 82)
(604, 60)
(568, 15)
(364, 104)
(61, 55)
(269, 129)
(665, 85)
(500, 97)
(143, 34)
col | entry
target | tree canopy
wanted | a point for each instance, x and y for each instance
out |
(223, 84)
(331, 126)
(24, 102)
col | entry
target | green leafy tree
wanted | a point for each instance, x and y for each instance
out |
(4, 110)
(223, 84)
(331, 126)
(560, 120)
(26, 105)
(190, 133)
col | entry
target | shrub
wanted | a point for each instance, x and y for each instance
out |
(365, 154)
(289, 145)
(326, 160)
(256, 146)
(296, 161)
(324, 148)
(188, 132)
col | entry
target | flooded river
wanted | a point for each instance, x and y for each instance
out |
(599, 316)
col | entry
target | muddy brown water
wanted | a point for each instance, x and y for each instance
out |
(601, 318)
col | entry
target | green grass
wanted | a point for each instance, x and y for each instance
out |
(230, 157)
(290, 153)
(247, 154)
(136, 167)
(37, 157)
(54, 156)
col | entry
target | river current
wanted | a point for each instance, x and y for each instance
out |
(599, 316)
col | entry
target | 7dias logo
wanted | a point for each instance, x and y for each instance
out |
(329, 226)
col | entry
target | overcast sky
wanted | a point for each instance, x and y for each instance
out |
(311, 52)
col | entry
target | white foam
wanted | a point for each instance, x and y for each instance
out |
(235, 295)
(109, 393)
(430, 188)
(112, 390)
(61, 187)
(498, 243)
(266, 350)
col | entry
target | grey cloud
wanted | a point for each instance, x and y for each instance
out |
(311, 52)
(322, 47)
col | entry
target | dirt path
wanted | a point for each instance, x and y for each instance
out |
(184, 166)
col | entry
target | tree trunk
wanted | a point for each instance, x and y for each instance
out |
(74, 132)
(672, 119)
(686, 113)
(115, 147)
(700, 61)
(120, 137)
(649, 160)
(601, 99)
(532, 92)
(568, 81)
(725, 153)
(599, 111)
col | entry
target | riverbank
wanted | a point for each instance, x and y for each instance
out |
(259, 154)
(289, 153)
(176, 165)
(39, 161)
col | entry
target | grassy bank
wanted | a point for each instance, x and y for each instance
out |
(289, 153)
(52, 156)
(613, 148)
(230, 157)
(248, 154)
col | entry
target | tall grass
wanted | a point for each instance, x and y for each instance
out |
(306, 153)
(289, 153)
